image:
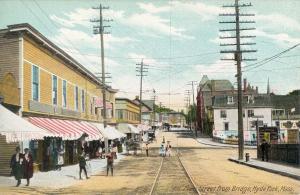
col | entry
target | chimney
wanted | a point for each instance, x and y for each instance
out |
(256, 90)
(245, 85)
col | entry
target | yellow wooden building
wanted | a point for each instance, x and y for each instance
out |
(127, 111)
(38, 79)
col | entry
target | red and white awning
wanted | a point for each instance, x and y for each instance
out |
(16, 129)
(99, 103)
(67, 129)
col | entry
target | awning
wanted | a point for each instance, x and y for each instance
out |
(109, 132)
(99, 103)
(67, 129)
(143, 127)
(127, 128)
(16, 129)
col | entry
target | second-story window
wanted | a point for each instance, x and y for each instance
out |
(54, 90)
(82, 101)
(230, 100)
(35, 83)
(250, 113)
(223, 114)
(76, 103)
(64, 93)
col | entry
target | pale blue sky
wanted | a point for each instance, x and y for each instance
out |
(142, 29)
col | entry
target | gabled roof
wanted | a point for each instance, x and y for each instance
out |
(217, 85)
(143, 104)
(286, 102)
(40, 38)
(127, 100)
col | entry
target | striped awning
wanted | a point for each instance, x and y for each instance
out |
(67, 129)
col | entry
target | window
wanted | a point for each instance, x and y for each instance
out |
(82, 101)
(250, 113)
(230, 100)
(64, 93)
(35, 83)
(76, 98)
(223, 114)
(226, 126)
(54, 90)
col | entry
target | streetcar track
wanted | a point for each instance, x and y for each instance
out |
(174, 172)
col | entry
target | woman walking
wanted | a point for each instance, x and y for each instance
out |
(82, 164)
(28, 166)
(60, 157)
(16, 164)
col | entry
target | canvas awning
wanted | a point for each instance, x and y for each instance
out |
(127, 128)
(16, 129)
(143, 127)
(109, 132)
(67, 129)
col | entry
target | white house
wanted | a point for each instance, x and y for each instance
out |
(226, 116)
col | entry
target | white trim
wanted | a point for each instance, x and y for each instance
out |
(21, 74)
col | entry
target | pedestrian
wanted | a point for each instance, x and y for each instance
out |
(16, 164)
(265, 150)
(147, 149)
(162, 150)
(110, 163)
(28, 166)
(114, 150)
(60, 157)
(82, 164)
(168, 149)
(164, 141)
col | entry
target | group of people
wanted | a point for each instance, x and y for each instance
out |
(22, 166)
(165, 150)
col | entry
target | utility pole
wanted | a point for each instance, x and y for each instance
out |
(100, 30)
(194, 106)
(141, 69)
(188, 94)
(154, 98)
(238, 51)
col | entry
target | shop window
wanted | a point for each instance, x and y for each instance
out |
(54, 90)
(35, 83)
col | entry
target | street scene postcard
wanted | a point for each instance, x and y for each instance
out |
(150, 97)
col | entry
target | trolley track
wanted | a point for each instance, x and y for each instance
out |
(173, 178)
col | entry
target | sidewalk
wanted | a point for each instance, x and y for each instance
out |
(68, 175)
(210, 142)
(285, 170)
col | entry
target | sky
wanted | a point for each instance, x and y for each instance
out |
(179, 40)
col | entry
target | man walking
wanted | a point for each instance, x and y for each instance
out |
(110, 163)
(82, 164)
(265, 150)
(147, 149)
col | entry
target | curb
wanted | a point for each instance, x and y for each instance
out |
(224, 146)
(297, 177)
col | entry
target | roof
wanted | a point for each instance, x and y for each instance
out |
(149, 103)
(286, 102)
(35, 34)
(261, 101)
(127, 100)
(217, 85)
(143, 103)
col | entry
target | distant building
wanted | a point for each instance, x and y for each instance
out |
(173, 118)
(147, 110)
(207, 90)
(127, 111)
(225, 116)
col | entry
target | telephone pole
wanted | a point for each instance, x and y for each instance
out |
(141, 69)
(154, 98)
(194, 106)
(188, 100)
(238, 51)
(99, 29)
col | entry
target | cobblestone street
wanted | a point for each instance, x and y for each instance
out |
(209, 168)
